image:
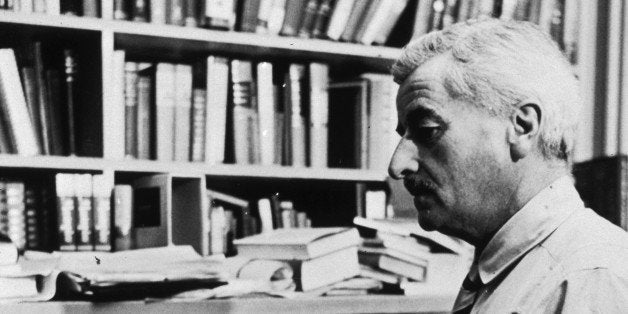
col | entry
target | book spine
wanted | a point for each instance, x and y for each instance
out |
(4, 217)
(183, 105)
(371, 21)
(101, 204)
(140, 10)
(39, 6)
(116, 124)
(85, 218)
(16, 213)
(32, 101)
(242, 80)
(66, 213)
(158, 12)
(198, 125)
(217, 230)
(319, 114)
(216, 113)
(176, 14)
(144, 104)
(279, 126)
(276, 17)
(123, 217)
(266, 112)
(31, 205)
(308, 19)
(248, 21)
(53, 78)
(130, 109)
(358, 11)
(292, 19)
(53, 7)
(191, 13)
(297, 120)
(391, 20)
(265, 215)
(219, 14)
(339, 19)
(165, 106)
(14, 107)
(263, 16)
(321, 19)
(422, 18)
(90, 8)
(288, 214)
(120, 10)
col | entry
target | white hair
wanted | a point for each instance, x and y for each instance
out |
(497, 64)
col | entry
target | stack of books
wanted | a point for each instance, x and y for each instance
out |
(407, 258)
(319, 257)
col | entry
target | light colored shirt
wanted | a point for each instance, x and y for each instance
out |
(554, 256)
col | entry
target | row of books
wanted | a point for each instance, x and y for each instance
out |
(38, 94)
(53, 7)
(27, 214)
(559, 18)
(365, 22)
(238, 111)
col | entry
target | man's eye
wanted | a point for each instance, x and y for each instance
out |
(426, 135)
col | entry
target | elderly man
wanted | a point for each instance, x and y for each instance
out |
(487, 113)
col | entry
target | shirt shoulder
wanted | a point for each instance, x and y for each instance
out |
(586, 241)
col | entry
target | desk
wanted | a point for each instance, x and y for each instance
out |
(340, 304)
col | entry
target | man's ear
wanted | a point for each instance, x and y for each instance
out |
(524, 128)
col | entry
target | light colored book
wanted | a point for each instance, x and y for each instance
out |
(382, 120)
(101, 190)
(14, 108)
(391, 19)
(297, 243)
(66, 213)
(319, 114)
(165, 82)
(326, 269)
(422, 18)
(266, 112)
(182, 114)
(85, 221)
(296, 102)
(276, 16)
(339, 18)
(8, 251)
(245, 130)
(216, 111)
(114, 117)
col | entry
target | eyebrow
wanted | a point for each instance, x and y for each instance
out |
(423, 113)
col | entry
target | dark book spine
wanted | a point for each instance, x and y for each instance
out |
(42, 97)
(308, 18)
(321, 21)
(54, 89)
(144, 102)
(70, 73)
(191, 13)
(71, 7)
(276, 211)
(292, 19)
(248, 19)
(31, 205)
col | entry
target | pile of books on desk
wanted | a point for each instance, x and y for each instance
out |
(408, 259)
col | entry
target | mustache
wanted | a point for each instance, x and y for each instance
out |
(417, 186)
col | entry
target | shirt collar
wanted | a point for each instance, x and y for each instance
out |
(528, 227)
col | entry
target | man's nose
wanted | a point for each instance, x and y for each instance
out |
(405, 159)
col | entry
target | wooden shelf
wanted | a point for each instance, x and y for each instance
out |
(60, 163)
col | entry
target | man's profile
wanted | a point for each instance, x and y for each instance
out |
(488, 114)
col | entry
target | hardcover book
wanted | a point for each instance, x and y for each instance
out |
(297, 243)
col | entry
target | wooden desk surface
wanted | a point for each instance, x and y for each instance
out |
(434, 303)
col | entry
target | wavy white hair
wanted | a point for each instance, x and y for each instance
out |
(495, 65)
